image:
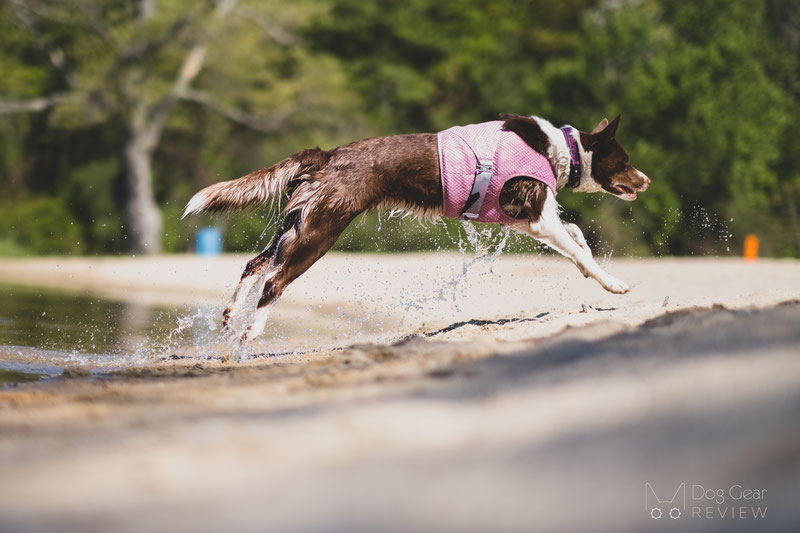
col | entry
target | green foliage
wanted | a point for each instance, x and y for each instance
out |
(423, 65)
(709, 91)
(245, 232)
(41, 226)
(88, 192)
(702, 117)
(11, 248)
(178, 233)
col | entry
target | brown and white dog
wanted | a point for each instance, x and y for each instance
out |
(326, 190)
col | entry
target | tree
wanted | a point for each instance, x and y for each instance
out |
(128, 66)
(708, 91)
(127, 106)
(425, 64)
(703, 117)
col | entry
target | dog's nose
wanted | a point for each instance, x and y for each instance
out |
(645, 179)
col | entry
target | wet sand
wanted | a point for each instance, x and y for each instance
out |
(521, 398)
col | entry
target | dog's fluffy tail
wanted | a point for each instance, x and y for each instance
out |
(256, 188)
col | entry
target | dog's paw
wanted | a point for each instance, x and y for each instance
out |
(617, 286)
(251, 332)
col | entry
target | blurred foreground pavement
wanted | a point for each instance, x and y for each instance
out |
(494, 425)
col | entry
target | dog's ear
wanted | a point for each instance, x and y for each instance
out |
(528, 130)
(611, 131)
(603, 133)
(601, 126)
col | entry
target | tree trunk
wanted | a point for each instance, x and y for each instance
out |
(146, 126)
(144, 218)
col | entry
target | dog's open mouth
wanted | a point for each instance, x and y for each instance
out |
(623, 192)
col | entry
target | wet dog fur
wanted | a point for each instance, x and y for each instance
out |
(324, 190)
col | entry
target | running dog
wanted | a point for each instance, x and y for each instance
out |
(506, 171)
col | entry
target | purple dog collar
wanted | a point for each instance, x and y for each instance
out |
(574, 158)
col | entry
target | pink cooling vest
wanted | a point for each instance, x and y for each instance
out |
(460, 148)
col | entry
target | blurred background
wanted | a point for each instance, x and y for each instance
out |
(112, 114)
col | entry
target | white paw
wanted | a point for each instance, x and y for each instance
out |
(251, 333)
(257, 327)
(617, 286)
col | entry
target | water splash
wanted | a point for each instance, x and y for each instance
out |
(486, 245)
(196, 334)
(709, 228)
(104, 335)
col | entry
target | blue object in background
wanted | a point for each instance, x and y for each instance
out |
(209, 241)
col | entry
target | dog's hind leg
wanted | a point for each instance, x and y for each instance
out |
(256, 270)
(550, 229)
(313, 235)
(252, 273)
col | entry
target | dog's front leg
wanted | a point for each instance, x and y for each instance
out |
(577, 235)
(552, 231)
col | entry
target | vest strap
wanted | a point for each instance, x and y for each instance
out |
(483, 176)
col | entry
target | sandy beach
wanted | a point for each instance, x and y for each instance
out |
(426, 392)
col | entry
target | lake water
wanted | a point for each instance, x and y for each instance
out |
(43, 330)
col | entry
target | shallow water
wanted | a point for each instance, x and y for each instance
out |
(43, 330)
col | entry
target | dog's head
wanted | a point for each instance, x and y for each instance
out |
(612, 171)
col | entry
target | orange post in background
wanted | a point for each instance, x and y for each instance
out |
(750, 248)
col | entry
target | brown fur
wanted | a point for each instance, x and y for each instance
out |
(528, 130)
(326, 190)
(258, 187)
(523, 197)
(399, 171)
